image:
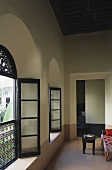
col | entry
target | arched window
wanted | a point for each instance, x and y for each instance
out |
(27, 141)
(8, 75)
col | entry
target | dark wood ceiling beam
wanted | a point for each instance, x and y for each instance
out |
(72, 17)
(72, 13)
(88, 27)
(103, 13)
(102, 19)
(74, 22)
(105, 18)
(98, 18)
(103, 23)
(69, 3)
(73, 32)
(84, 31)
(104, 10)
(103, 1)
(104, 5)
(79, 17)
(73, 7)
(82, 22)
(100, 11)
(92, 25)
(71, 10)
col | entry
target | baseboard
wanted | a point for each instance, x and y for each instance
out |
(91, 128)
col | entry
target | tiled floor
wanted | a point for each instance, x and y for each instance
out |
(70, 157)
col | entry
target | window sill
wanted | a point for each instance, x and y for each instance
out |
(53, 136)
(21, 164)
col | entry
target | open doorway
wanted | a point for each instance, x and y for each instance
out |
(80, 99)
(90, 95)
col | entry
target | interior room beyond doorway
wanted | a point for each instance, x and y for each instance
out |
(90, 99)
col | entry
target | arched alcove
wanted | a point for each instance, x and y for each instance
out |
(54, 74)
(55, 124)
(15, 35)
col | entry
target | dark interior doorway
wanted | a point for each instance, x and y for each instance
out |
(81, 115)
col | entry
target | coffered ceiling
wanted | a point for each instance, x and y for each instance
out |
(83, 16)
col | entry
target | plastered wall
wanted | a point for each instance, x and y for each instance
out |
(28, 29)
(108, 101)
(87, 56)
(95, 101)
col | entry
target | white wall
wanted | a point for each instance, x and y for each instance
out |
(88, 53)
(95, 101)
(31, 34)
(108, 102)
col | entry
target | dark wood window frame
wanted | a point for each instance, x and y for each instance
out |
(21, 118)
(52, 130)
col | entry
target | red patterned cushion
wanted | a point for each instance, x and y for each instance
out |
(109, 132)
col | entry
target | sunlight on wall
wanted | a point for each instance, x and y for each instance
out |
(54, 74)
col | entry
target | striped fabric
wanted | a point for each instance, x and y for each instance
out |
(107, 144)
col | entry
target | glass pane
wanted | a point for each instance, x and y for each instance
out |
(29, 91)
(55, 124)
(55, 115)
(29, 144)
(6, 99)
(29, 108)
(55, 104)
(55, 94)
(29, 127)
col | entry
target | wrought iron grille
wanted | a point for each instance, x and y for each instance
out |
(7, 64)
(7, 143)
